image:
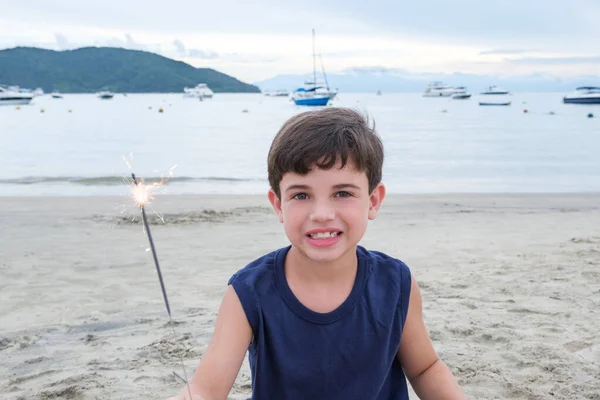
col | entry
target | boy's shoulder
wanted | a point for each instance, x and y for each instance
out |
(260, 268)
(383, 261)
(390, 278)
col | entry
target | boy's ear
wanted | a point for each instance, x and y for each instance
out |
(276, 203)
(375, 200)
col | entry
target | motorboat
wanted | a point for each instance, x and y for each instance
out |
(201, 90)
(439, 89)
(105, 95)
(584, 95)
(460, 93)
(492, 90)
(13, 96)
(56, 95)
(314, 93)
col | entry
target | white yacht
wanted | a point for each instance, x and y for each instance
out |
(584, 95)
(439, 89)
(12, 96)
(201, 90)
(460, 93)
(495, 90)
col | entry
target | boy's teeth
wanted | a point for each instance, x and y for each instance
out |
(323, 235)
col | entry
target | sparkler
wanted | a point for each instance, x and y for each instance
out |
(142, 196)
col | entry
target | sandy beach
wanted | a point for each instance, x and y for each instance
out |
(510, 284)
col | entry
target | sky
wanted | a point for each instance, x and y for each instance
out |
(256, 40)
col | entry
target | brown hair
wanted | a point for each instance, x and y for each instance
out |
(322, 138)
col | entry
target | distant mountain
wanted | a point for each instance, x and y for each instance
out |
(396, 80)
(91, 69)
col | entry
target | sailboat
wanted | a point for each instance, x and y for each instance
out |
(314, 93)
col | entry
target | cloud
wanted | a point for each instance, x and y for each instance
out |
(61, 41)
(193, 53)
(506, 51)
(169, 19)
(554, 60)
(128, 43)
(180, 47)
(132, 44)
(207, 55)
(248, 58)
(374, 70)
(472, 21)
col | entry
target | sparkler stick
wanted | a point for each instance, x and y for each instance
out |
(142, 197)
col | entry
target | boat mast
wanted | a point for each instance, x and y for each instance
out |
(314, 60)
(323, 70)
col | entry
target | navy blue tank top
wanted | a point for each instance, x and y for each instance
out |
(348, 353)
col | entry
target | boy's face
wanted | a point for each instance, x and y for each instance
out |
(325, 212)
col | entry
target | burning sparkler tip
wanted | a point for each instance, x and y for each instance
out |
(140, 192)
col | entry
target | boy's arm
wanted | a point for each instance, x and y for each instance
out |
(428, 375)
(225, 353)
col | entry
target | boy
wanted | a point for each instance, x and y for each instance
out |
(324, 318)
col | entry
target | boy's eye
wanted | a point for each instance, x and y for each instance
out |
(300, 196)
(343, 194)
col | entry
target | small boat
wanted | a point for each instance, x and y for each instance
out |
(584, 95)
(56, 95)
(481, 103)
(379, 93)
(460, 93)
(438, 89)
(13, 96)
(201, 90)
(105, 95)
(495, 90)
(314, 93)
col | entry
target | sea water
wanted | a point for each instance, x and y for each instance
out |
(76, 145)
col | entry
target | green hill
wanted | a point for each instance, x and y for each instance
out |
(91, 69)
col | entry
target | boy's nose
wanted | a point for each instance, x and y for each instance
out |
(322, 211)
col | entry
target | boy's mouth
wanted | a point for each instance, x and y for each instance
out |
(324, 235)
